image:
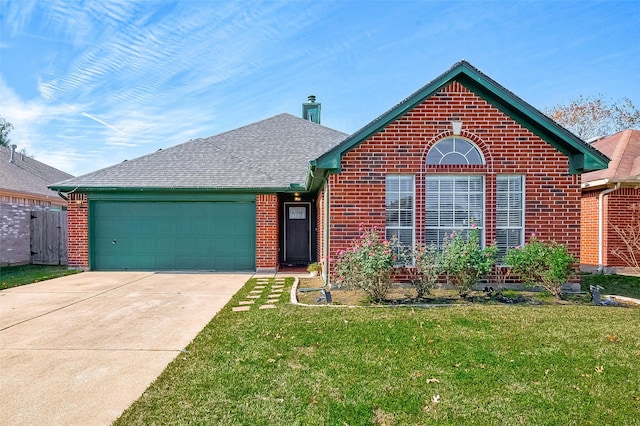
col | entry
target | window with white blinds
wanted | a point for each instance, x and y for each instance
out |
(453, 203)
(400, 192)
(509, 212)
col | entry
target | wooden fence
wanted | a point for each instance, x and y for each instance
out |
(48, 237)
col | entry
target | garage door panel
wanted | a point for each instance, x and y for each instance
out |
(173, 235)
(165, 244)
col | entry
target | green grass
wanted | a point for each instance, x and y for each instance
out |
(13, 276)
(620, 285)
(484, 364)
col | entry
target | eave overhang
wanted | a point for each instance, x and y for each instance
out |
(53, 198)
(630, 182)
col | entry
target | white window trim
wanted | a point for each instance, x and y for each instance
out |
(413, 216)
(524, 206)
(444, 154)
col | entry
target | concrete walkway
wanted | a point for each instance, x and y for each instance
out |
(80, 349)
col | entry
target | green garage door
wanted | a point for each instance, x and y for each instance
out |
(161, 235)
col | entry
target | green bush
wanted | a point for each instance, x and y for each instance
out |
(465, 262)
(539, 263)
(427, 269)
(368, 264)
(314, 267)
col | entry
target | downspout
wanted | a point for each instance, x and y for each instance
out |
(601, 225)
(326, 231)
(64, 197)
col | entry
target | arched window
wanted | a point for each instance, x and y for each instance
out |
(450, 151)
(453, 202)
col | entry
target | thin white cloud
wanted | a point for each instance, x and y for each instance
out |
(119, 79)
(96, 119)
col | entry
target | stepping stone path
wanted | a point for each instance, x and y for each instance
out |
(269, 289)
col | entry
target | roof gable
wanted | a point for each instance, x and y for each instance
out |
(27, 175)
(582, 157)
(270, 154)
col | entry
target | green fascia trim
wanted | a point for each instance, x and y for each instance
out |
(579, 152)
(523, 113)
(316, 178)
(167, 196)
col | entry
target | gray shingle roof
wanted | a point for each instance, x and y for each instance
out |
(271, 153)
(27, 175)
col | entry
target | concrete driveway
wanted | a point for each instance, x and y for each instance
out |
(80, 349)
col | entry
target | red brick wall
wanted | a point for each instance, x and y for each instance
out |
(552, 200)
(589, 228)
(267, 231)
(78, 225)
(619, 210)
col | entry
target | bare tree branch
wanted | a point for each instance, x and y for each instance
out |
(592, 116)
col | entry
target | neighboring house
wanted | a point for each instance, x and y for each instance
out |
(462, 151)
(610, 199)
(23, 189)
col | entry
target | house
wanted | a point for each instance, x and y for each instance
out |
(462, 151)
(23, 189)
(610, 200)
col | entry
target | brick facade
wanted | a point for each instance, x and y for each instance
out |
(621, 211)
(78, 228)
(552, 199)
(14, 234)
(15, 231)
(618, 210)
(267, 227)
(589, 228)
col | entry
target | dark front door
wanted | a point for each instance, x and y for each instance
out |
(297, 233)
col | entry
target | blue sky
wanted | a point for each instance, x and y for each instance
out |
(87, 84)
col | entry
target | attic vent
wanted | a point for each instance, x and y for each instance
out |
(311, 110)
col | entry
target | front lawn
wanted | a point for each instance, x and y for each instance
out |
(620, 285)
(482, 364)
(13, 276)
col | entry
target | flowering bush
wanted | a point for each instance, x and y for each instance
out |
(545, 264)
(427, 269)
(464, 262)
(368, 264)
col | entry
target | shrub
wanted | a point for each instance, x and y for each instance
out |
(314, 267)
(368, 264)
(427, 269)
(538, 263)
(465, 262)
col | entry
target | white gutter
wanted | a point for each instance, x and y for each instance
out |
(595, 183)
(601, 224)
(326, 231)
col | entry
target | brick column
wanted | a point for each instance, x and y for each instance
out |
(266, 232)
(78, 228)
